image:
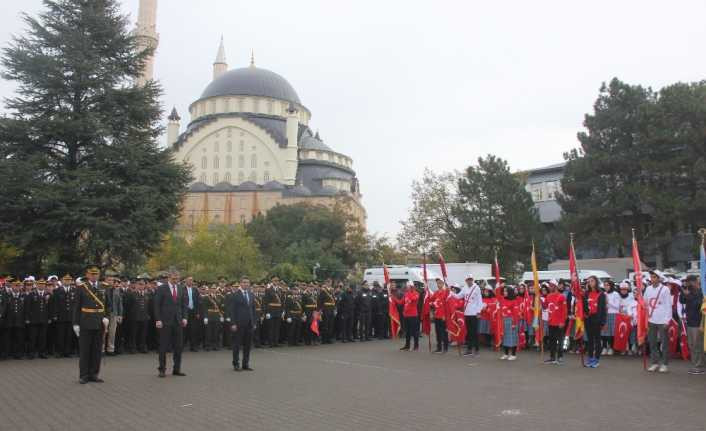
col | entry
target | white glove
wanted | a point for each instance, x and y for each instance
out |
(77, 330)
(205, 321)
(335, 312)
(303, 318)
(222, 320)
(120, 319)
(227, 319)
(267, 316)
(289, 320)
(283, 314)
(105, 321)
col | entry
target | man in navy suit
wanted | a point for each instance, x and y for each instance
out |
(170, 313)
(241, 311)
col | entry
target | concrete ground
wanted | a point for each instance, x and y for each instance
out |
(362, 386)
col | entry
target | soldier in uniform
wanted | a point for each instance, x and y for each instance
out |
(4, 297)
(310, 305)
(365, 307)
(225, 298)
(65, 298)
(37, 319)
(212, 311)
(294, 315)
(15, 322)
(273, 313)
(348, 310)
(90, 323)
(137, 318)
(381, 307)
(327, 308)
(257, 333)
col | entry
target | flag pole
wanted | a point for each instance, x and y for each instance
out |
(537, 321)
(427, 291)
(643, 347)
(581, 343)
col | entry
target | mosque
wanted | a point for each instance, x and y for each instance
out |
(249, 144)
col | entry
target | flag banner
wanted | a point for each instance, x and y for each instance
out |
(576, 292)
(684, 343)
(386, 274)
(498, 327)
(496, 270)
(536, 321)
(641, 307)
(673, 336)
(316, 316)
(442, 265)
(455, 321)
(623, 327)
(426, 308)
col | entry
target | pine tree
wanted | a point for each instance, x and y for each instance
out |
(84, 180)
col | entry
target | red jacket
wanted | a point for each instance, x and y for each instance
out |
(438, 301)
(409, 301)
(556, 307)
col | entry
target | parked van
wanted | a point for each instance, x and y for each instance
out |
(401, 274)
(566, 275)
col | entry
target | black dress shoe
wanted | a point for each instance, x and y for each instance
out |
(95, 380)
(161, 374)
(178, 373)
(83, 381)
(247, 369)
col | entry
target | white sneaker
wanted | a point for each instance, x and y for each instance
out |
(653, 368)
(503, 357)
(663, 369)
(512, 358)
(610, 352)
(604, 351)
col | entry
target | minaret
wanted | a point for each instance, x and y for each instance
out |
(147, 36)
(220, 66)
(173, 127)
(291, 152)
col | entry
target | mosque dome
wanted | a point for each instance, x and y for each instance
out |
(251, 81)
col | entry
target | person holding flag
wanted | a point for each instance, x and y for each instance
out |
(659, 313)
(692, 298)
(509, 313)
(410, 312)
(557, 311)
(437, 301)
(472, 306)
(595, 310)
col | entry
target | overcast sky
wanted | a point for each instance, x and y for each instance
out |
(404, 85)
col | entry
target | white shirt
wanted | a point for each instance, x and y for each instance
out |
(627, 305)
(613, 302)
(659, 304)
(473, 299)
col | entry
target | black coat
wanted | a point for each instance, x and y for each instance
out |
(166, 310)
(86, 301)
(64, 303)
(15, 312)
(241, 312)
(136, 307)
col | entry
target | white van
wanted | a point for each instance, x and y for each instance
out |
(401, 274)
(565, 275)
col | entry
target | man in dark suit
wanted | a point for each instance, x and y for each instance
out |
(241, 310)
(192, 333)
(170, 311)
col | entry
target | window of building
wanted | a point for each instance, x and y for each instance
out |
(227, 177)
(269, 107)
(229, 132)
(240, 108)
(253, 161)
(203, 163)
(226, 105)
(215, 162)
(213, 106)
(537, 192)
(256, 105)
(215, 178)
(266, 177)
(229, 162)
(203, 178)
(241, 161)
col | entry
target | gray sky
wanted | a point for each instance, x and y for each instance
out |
(404, 85)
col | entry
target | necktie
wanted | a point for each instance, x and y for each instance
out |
(174, 293)
(247, 298)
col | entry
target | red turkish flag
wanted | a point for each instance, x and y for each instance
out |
(673, 335)
(641, 307)
(455, 322)
(623, 327)
(684, 342)
(442, 265)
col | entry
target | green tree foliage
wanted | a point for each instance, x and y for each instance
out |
(641, 165)
(210, 252)
(83, 177)
(468, 216)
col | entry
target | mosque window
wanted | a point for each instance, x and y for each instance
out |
(226, 108)
(216, 146)
(213, 106)
(227, 177)
(319, 155)
(229, 162)
(241, 177)
(203, 178)
(266, 177)
(241, 161)
(253, 161)
(215, 178)
(203, 163)
(215, 163)
(229, 144)
(253, 176)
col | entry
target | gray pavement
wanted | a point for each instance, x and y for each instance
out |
(365, 386)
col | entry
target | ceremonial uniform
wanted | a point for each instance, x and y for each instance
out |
(88, 317)
(37, 318)
(365, 307)
(309, 304)
(294, 314)
(258, 332)
(212, 311)
(327, 305)
(14, 334)
(65, 298)
(136, 321)
(273, 315)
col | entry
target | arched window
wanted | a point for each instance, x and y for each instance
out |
(241, 177)
(253, 176)
(215, 162)
(215, 178)
(253, 161)
(216, 147)
(227, 178)
(229, 162)
(266, 177)
(203, 178)
(241, 161)
(203, 163)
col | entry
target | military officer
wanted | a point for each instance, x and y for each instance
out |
(327, 307)
(212, 313)
(273, 312)
(310, 305)
(89, 324)
(65, 298)
(294, 315)
(15, 322)
(137, 318)
(37, 319)
(365, 306)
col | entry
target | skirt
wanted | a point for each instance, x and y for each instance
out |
(510, 334)
(483, 326)
(609, 329)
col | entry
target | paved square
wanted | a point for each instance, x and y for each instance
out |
(366, 386)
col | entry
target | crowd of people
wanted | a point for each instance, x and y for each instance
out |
(41, 318)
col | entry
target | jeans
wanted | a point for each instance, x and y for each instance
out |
(472, 333)
(696, 346)
(657, 333)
